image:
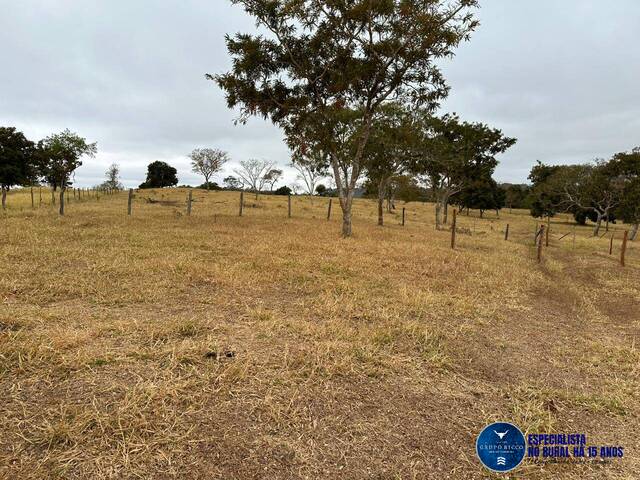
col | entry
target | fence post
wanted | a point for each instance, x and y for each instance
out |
(611, 244)
(33, 203)
(624, 247)
(403, 216)
(189, 200)
(506, 233)
(329, 211)
(289, 204)
(241, 202)
(540, 237)
(453, 230)
(40, 193)
(130, 201)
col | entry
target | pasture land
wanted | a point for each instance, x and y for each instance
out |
(213, 346)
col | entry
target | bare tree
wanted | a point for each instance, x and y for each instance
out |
(311, 170)
(208, 161)
(113, 178)
(252, 172)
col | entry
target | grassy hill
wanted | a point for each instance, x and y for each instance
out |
(213, 346)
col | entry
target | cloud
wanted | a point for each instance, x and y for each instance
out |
(560, 76)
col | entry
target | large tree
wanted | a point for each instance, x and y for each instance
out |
(160, 175)
(60, 156)
(626, 167)
(16, 160)
(207, 162)
(322, 60)
(593, 188)
(451, 154)
(543, 199)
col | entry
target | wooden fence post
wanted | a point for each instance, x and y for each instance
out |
(611, 244)
(189, 200)
(506, 233)
(289, 205)
(329, 210)
(453, 230)
(540, 240)
(40, 193)
(241, 202)
(33, 203)
(403, 216)
(623, 250)
(130, 201)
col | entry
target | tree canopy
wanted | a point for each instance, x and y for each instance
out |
(160, 175)
(325, 68)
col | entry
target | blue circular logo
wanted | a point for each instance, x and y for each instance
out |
(501, 447)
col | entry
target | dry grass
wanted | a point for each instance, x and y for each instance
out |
(212, 346)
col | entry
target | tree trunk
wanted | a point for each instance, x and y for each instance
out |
(346, 214)
(381, 195)
(62, 189)
(206, 179)
(4, 198)
(481, 213)
(634, 232)
(596, 228)
(445, 208)
(438, 215)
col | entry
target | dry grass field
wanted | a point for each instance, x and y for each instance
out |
(212, 346)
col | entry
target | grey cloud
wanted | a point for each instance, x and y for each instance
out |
(560, 76)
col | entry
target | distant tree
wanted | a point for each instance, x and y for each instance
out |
(591, 188)
(388, 151)
(272, 177)
(450, 154)
(113, 178)
(207, 162)
(210, 186)
(482, 194)
(160, 175)
(283, 191)
(253, 172)
(543, 197)
(232, 183)
(325, 61)
(311, 166)
(625, 166)
(16, 160)
(321, 189)
(60, 156)
(515, 195)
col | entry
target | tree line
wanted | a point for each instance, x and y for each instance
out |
(52, 161)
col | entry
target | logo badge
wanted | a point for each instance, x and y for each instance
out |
(501, 447)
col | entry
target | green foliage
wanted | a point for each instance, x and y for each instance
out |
(482, 194)
(60, 155)
(516, 196)
(160, 175)
(283, 191)
(16, 158)
(543, 198)
(326, 68)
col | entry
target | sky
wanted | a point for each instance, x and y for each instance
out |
(560, 76)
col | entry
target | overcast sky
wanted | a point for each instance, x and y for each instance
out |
(561, 76)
